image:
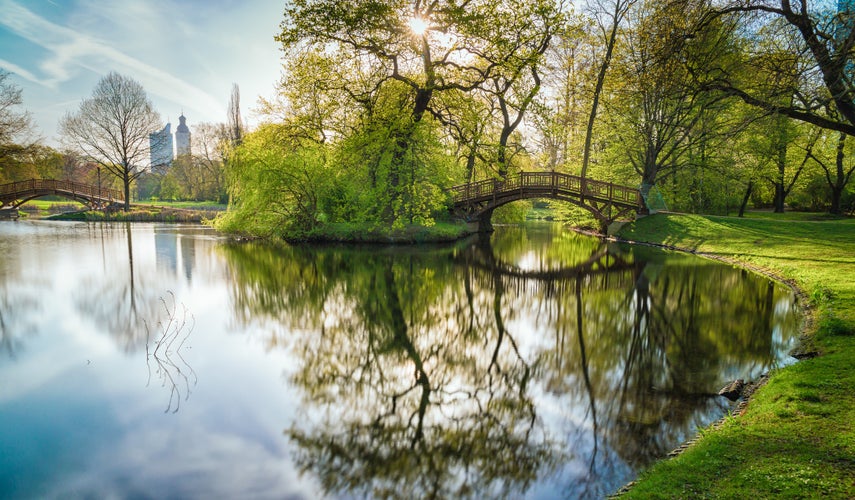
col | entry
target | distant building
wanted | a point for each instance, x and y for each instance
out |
(160, 148)
(182, 138)
(161, 145)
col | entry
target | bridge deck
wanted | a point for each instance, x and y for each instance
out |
(547, 184)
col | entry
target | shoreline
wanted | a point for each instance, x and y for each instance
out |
(806, 328)
(795, 435)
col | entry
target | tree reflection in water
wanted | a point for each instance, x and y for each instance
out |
(479, 370)
(123, 302)
(164, 349)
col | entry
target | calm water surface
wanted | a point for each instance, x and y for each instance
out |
(161, 361)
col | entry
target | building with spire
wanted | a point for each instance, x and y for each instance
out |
(182, 138)
(163, 150)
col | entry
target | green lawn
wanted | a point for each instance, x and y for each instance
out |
(797, 437)
(44, 208)
(193, 205)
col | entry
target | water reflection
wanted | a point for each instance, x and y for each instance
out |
(117, 294)
(164, 349)
(536, 363)
(123, 303)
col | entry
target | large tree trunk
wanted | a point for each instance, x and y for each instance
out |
(780, 189)
(745, 198)
(126, 181)
(501, 156)
(840, 181)
(779, 198)
(620, 8)
(648, 173)
(403, 140)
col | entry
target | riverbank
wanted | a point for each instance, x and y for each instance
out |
(206, 212)
(796, 439)
(141, 213)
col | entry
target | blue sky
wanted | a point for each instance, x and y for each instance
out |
(185, 53)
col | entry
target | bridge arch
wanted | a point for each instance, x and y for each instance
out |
(15, 194)
(475, 202)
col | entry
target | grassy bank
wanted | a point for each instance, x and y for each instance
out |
(370, 233)
(140, 213)
(796, 438)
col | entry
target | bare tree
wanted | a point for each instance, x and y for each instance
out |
(235, 123)
(210, 157)
(15, 125)
(112, 128)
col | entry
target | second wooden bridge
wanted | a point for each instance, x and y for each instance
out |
(607, 201)
(15, 194)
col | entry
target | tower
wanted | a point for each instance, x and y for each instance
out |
(182, 137)
(160, 147)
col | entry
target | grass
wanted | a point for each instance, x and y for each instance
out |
(803, 216)
(150, 210)
(369, 233)
(141, 213)
(191, 205)
(796, 438)
(45, 208)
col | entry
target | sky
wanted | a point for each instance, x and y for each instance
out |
(185, 53)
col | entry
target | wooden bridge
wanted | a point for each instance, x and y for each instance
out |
(15, 194)
(608, 202)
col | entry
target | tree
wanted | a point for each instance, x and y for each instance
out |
(210, 156)
(275, 184)
(200, 176)
(659, 111)
(112, 128)
(235, 122)
(428, 49)
(836, 173)
(15, 127)
(608, 20)
(825, 37)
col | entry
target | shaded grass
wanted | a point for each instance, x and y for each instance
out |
(796, 439)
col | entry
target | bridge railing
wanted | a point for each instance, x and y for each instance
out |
(70, 187)
(571, 184)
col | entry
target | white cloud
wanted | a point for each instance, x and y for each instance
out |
(71, 50)
(185, 53)
(23, 73)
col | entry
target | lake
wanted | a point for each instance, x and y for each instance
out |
(164, 361)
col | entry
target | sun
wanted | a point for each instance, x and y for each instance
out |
(418, 25)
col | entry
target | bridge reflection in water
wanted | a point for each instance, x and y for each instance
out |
(533, 364)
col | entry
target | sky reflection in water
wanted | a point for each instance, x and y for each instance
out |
(541, 364)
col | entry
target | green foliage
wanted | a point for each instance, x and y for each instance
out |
(385, 184)
(276, 183)
(512, 213)
(388, 172)
(170, 189)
